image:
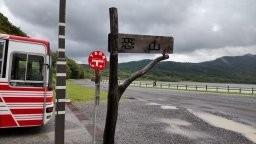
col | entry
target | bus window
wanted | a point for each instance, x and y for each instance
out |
(19, 63)
(27, 70)
(1, 57)
(35, 68)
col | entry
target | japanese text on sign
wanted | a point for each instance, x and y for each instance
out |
(129, 43)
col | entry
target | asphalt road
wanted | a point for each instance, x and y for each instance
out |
(155, 116)
(161, 116)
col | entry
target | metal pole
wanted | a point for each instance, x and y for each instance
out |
(97, 99)
(61, 77)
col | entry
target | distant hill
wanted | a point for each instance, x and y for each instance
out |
(8, 28)
(228, 69)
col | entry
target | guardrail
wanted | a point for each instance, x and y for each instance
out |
(190, 87)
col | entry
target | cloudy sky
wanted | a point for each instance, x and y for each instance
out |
(202, 29)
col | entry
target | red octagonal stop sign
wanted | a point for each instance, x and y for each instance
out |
(97, 60)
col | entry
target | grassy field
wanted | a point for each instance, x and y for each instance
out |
(78, 93)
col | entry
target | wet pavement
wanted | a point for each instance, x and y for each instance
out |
(154, 116)
(161, 116)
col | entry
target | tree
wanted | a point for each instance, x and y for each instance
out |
(9, 28)
(116, 91)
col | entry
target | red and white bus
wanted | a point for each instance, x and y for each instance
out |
(26, 98)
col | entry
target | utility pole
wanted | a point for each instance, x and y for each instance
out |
(61, 77)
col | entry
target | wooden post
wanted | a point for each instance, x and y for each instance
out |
(112, 108)
(196, 87)
(240, 90)
(206, 87)
(252, 91)
(228, 88)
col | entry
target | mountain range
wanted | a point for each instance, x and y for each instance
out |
(227, 69)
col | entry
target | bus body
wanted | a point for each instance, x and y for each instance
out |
(26, 98)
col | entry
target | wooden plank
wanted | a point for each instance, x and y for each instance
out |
(131, 43)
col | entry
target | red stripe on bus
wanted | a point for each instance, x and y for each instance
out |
(7, 121)
(30, 122)
(23, 99)
(27, 111)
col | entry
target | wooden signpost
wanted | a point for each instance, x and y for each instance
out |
(128, 43)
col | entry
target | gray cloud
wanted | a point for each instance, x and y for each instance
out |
(195, 24)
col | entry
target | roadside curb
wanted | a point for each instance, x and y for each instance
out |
(86, 121)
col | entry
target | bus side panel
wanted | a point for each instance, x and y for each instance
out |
(6, 120)
(24, 107)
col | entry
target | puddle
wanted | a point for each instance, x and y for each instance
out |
(168, 107)
(221, 122)
(152, 103)
(130, 98)
(181, 127)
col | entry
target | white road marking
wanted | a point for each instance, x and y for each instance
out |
(152, 103)
(168, 107)
(221, 122)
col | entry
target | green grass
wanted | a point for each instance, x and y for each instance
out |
(78, 93)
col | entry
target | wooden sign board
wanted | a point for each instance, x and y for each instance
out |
(130, 43)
